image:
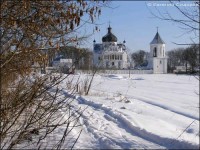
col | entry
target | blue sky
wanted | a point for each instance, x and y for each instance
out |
(133, 22)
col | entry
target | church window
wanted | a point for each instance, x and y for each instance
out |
(155, 52)
(160, 62)
(113, 63)
(163, 53)
(112, 57)
(120, 57)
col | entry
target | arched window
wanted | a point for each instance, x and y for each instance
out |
(163, 53)
(120, 57)
(113, 57)
(155, 52)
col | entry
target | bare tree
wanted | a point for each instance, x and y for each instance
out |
(175, 58)
(183, 56)
(189, 21)
(138, 57)
(190, 55)
(30, 105)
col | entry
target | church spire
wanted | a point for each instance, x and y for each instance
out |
(157, 39)
(109, 28)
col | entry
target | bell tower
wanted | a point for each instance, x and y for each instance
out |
(158, 61)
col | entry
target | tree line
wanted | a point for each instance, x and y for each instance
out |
(188, 57)
(140, 58)
(81, 57)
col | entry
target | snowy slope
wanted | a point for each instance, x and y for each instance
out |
(143, 111)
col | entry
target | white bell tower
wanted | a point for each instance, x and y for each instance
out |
(158, 60)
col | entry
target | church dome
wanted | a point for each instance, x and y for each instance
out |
(109, 37)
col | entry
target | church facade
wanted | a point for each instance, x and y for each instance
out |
(109, 54)
(113, 55)
(157, 60)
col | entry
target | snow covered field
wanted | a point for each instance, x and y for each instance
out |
(143, 111)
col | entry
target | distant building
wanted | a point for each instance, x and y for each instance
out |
(63, 65)
(157, 59)
(109, 54)
(180, 69)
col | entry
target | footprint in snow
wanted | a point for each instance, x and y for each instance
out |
(190, 130)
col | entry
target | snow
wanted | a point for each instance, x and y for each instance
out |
(143, 111)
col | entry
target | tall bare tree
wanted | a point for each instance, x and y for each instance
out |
(189, 20)
(30, 105)
(189, 23)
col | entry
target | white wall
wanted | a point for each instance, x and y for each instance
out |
(118, 71)
(160, 65)
(103, 62)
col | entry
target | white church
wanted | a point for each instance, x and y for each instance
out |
(157, 60)
(110, 54)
